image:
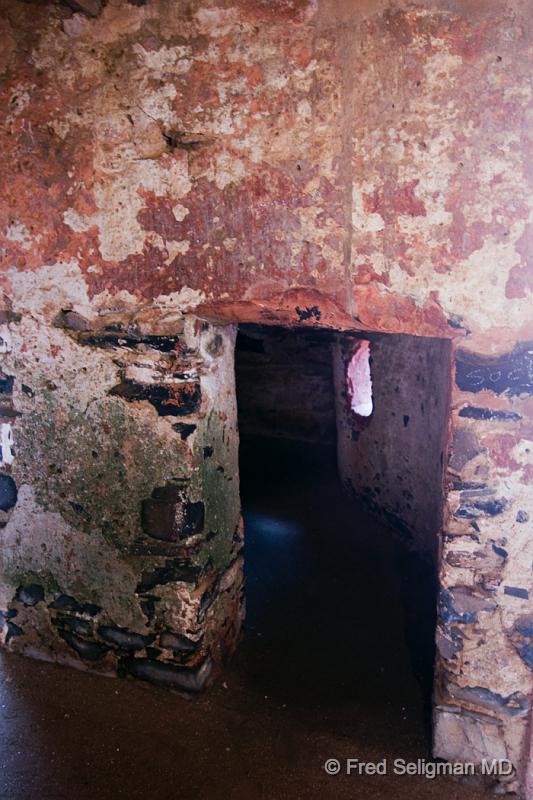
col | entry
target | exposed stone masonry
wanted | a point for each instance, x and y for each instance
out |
(181, 614)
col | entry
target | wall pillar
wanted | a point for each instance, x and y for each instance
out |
(485, 629)
(120, 546)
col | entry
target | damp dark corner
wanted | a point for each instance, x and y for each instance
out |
(341, 452)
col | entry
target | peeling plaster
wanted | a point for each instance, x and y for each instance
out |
(52, 287)
(120, 200)
(6, 444)
(5, 340)
(383, 172)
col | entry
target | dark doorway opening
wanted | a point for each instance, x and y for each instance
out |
(341, 601)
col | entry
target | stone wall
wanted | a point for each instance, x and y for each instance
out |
(394, 459)
(121, 535)
(285, 384)
(360, 166)
(484, 635)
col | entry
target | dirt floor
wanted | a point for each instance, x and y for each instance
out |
(335, 663)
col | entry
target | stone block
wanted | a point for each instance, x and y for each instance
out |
(123, 638)
(170, 676)
(64, 602)
(80, 627)
(466, 737)
(173, 571)
(176, 399)
(178, 643)
(8, 492)
(89, 651)
(169, 516)
(31, 594)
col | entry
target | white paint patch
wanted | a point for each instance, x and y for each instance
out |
(177, 249)
(74, 221)
(180, 212)
(363, 220)
(523, 452)
(166, 60)
(46, 291)
(6, 444)
(19, 100)
(275, 77)
(159, 105)
(303, 78)
(477, 288)
(225, 121)
(217, 21)
(121, 300)
(172, 248)
(75, 26)
(19, 234)
(119, 200)
(5, 340)
(228, 170)
(185, 300)
(304, 110)
(227, 90)
(359, 380)
(144, 375)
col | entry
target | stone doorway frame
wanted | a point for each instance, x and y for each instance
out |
(472, 721)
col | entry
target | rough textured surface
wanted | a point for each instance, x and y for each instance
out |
(352, 165)
(375, 155)
(394, 458)
(110, 553)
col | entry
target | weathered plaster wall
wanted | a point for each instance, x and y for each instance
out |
(486, 566)
(122, 549)
(363, 166)
(285, 383)
(236, 151)
(394, 459)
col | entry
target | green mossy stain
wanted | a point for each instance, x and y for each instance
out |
(20, 577)
(218, 486)
(95, 467)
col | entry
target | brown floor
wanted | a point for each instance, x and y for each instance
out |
(337, 629)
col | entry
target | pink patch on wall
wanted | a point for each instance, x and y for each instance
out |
(359, 380)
